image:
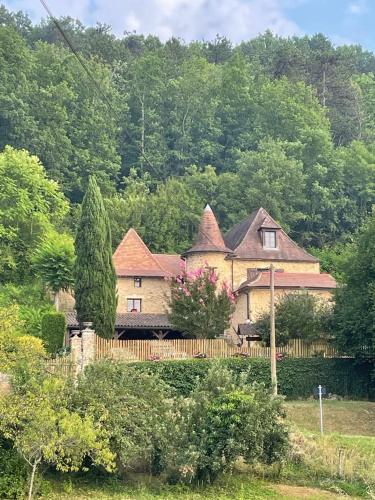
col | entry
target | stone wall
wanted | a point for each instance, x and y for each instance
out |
(154, 294)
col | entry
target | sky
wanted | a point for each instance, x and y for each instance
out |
(343, 21)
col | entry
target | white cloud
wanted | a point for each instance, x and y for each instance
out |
(187, 19)
(357, 8)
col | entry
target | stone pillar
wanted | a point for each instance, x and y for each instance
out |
(88, 345)
(76, 352)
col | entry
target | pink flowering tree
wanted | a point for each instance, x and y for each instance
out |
(198, 305)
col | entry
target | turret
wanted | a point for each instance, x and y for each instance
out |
(209, 248)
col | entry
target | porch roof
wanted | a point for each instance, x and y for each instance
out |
(133, 321)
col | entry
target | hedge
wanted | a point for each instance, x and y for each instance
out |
(297, 377)
(53, 331)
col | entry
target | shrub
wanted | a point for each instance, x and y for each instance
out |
(20, 350)
(225, 419)
(53, 331)
(298, 315)
(296, 376)
(13, 472)
(133, 407)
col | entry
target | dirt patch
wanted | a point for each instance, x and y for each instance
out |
(288, 491)
(5, 387)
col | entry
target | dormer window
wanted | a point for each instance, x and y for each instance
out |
(269, 239)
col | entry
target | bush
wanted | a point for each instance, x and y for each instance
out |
(20, 350)
(134, 409)
(225, 419)
(298, 315)
(53, 331)
(13, 472)
(296, 376)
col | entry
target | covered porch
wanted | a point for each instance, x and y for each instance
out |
(135, 326)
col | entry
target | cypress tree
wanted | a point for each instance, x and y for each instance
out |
(94, 273)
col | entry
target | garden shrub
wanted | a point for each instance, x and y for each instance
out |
(297, 377)
(53, 331)
(13, 472)
(20, 350)
(134, 409)
(223, 419)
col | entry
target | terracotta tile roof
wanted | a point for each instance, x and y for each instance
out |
(129, 320)
(133, 258)
(291, 280)
(209, 238)
(246, 243)
(171, 263)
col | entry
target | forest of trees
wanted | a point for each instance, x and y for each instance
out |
(287, 124)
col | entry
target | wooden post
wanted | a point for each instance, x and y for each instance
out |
(273, 333)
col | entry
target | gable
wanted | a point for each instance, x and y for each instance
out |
(246, 243)
(133, 258)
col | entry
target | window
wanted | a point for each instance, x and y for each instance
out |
(137, 282)
(134, 305)
(269, 239)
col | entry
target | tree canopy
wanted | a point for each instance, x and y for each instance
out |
(285, 122)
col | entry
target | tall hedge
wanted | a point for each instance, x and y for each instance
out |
(53, 331)
(297, 377)
(94, 274)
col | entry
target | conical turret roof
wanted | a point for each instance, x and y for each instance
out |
(209, 237)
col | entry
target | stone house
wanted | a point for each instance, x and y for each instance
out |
(241, 258)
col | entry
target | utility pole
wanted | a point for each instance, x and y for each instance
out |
(273, 333)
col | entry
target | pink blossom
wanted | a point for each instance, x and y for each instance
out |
(213, 278)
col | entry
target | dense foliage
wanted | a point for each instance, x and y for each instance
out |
(353, 321)
(94, 274)
(198, 306)
(53, 331)
(30, 203)
(299, 315)
(53, 262)
(224, 419)
(285, 123)
(42, 427)
(297, 377)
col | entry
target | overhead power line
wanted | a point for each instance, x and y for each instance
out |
(90, 75)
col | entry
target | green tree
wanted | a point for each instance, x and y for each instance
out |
(297, 316)
(53, 261)
(353, 320)
(43, 429)
(197, 306)
(94, 275)
(30, 204)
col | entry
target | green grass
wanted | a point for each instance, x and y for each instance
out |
(144, 488)
(353, 418)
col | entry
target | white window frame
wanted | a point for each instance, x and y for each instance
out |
(132, 300)
(265, 241)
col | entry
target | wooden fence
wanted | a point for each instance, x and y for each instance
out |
(141, 350)
(61, 366)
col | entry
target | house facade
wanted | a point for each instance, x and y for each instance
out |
(241, 258)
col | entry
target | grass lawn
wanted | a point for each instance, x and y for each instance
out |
(353, 418)
(349, 426)
(237, 486)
